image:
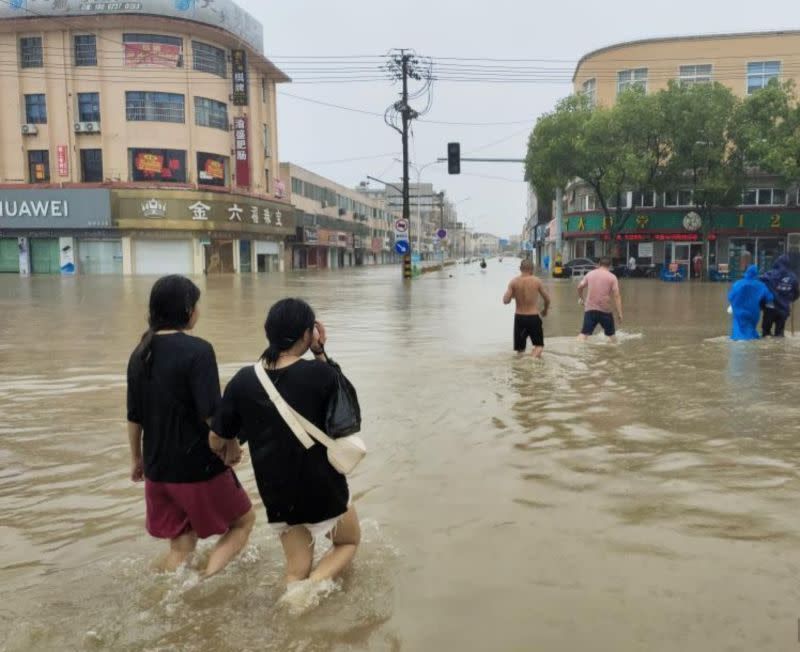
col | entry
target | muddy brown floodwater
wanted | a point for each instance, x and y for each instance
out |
(635, 497)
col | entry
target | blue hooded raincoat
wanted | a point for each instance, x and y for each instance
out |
(746, 298)
(782, 282)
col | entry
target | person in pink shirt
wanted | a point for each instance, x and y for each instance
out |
(603, 287)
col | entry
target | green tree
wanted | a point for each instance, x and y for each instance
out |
(702, 158)
(613, 150)
(766, 131)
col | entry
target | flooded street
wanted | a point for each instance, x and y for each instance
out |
(642, 496)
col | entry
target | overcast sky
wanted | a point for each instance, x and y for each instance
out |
(319, 137)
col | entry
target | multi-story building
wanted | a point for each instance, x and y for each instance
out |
(486, 244)
(665, 230)
(138, 138)
(336, 226)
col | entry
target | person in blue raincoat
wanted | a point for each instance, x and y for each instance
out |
(782, 282)
(747, 297)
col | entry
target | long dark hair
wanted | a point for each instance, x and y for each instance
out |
(172, 302)
(287, 323)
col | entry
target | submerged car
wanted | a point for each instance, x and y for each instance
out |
(575, 267)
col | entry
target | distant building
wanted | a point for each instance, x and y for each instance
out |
(336, 225)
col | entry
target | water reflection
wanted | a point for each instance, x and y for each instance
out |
(627, 497)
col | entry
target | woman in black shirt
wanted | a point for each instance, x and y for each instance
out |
(305, 497)
(173, 390)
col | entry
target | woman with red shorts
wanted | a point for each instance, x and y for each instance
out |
(173, 391)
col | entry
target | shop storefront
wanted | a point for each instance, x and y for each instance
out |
(40, 230)
(678, 240)
(184, 232)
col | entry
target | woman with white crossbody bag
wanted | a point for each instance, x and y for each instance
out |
(282, 407)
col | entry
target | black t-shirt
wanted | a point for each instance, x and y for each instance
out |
(172, 404)
(296, 485)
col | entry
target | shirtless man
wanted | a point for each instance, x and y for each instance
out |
(525, 290)
(603, 288)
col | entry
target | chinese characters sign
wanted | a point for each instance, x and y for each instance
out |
(63, 161)
(239, 58)
(158, 165)
(153, 54)
(242, 152)
(211, 169)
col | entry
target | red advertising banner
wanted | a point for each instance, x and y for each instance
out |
(242, 152)
(63, 161)
(152, 54)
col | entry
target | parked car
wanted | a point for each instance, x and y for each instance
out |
(575, 267)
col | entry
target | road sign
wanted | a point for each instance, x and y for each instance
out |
(402, 247)
(442, 233)
(401, 226)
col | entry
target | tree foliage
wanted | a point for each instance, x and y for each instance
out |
(700, 137)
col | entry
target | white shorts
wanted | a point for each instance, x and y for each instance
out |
(318, 530)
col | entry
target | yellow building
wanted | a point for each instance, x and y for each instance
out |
(743, 62)
(665, 232)
(138, 138)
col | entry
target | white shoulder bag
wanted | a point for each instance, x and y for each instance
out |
(344, 454)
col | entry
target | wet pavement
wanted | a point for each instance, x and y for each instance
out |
(631, 497)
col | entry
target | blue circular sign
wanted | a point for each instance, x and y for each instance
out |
(442, 233)
(402, 247)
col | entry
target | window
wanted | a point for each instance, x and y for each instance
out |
(30, 52)
(264, 90)
(644, 199)
(678, 198)
(764, 197)
(624, 196)
(266, 181)
(760, 73)
(635, 78)
(267, 140)
(297, 186)
(89, 107)
(210, 113)
(36, 109)
(212, 169)
(92, 165)
(587, 203)
(39, 166)
(165, 165)
(590, 90)
(207, 58)
(696, 74)
(154, 107)
(86, 50)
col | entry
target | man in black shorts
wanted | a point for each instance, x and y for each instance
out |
(525, 290)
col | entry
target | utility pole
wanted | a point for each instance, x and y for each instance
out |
(405, 111)
(406, 65)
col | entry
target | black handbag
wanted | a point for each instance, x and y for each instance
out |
(343, 416)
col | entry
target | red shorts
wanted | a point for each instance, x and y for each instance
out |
(207, 507)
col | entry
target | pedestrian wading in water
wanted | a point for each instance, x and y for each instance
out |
(173, 391)
(305, 497)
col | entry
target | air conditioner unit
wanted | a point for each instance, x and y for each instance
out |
(29, 130)
(324, 204)
(92, 127)
(267, 152)
(79, 127)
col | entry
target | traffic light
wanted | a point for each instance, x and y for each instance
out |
(454, 158)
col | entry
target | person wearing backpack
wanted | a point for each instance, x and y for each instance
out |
(305, 497)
